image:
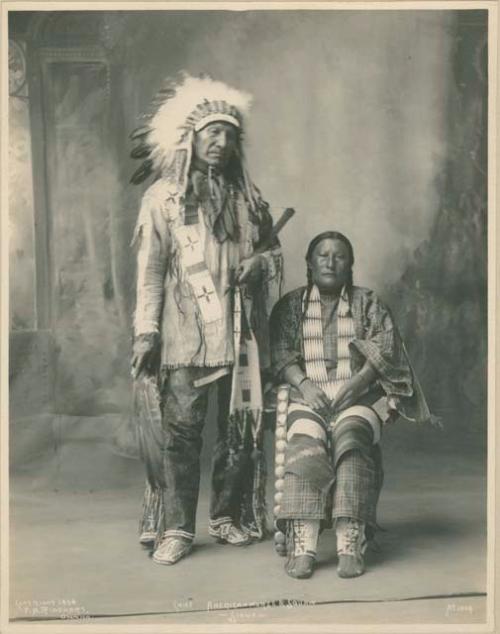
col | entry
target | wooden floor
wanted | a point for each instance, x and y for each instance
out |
(74, 551)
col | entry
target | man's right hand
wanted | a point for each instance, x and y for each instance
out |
(145, 355)
(315, 397)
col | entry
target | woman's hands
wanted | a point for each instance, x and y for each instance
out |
(315, 397)
(349, 393)
(311, 393)
(352, 389)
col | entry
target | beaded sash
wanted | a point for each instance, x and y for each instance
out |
(314, 355)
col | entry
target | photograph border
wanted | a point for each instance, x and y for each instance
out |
(493, 514)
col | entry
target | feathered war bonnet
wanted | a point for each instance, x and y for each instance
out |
(183, 108)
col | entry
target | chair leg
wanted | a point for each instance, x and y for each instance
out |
(280, 543)
(279, 463)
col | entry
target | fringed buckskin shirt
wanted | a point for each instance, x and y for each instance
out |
(165, 301)
(377, 340)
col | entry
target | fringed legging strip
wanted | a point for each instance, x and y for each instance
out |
(152, 520)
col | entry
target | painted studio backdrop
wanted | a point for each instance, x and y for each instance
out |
(370, 123)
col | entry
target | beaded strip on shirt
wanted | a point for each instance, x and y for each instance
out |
(197, 273)
(246, 393)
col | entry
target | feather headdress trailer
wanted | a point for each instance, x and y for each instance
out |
(182, 108)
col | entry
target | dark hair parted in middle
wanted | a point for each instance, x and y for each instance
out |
(329, 235)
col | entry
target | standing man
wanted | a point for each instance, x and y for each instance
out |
(208, 272)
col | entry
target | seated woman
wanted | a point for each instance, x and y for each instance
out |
(337, 347)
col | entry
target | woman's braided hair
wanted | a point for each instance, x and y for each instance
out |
(326, 235)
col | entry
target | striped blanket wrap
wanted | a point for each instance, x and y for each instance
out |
(314, 446)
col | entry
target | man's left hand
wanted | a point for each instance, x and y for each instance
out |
(145, 355)
(250, 269)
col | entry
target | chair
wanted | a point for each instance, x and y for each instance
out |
(279, 462)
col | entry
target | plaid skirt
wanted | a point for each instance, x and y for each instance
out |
(331, 470)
